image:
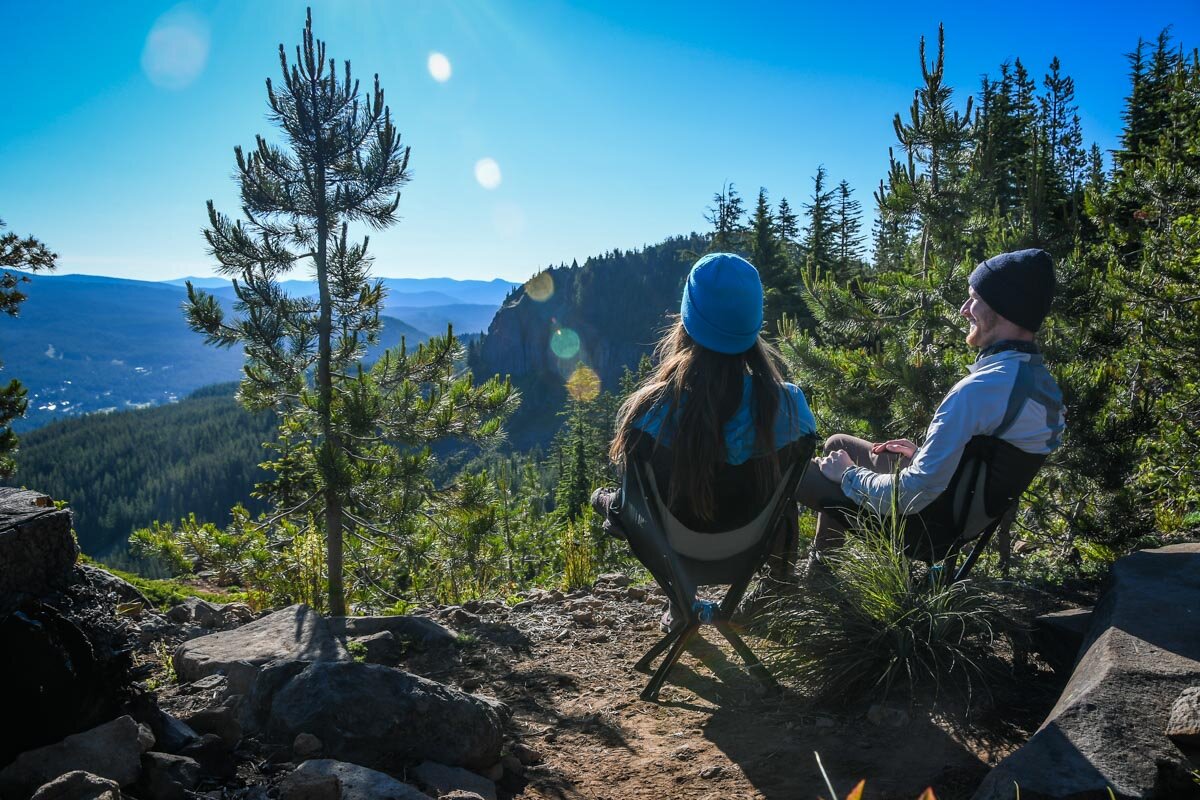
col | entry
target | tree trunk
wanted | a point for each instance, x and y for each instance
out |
(333, 502)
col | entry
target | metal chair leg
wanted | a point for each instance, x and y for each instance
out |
(753, 663)
(643, 665)
(660, 675)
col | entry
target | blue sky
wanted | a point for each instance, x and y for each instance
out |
(612, 122)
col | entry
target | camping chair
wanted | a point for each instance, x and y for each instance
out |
(989, 481)
(681, 559)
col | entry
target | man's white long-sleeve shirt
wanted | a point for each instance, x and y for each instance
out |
(1009, 394)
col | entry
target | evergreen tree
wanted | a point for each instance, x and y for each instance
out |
(341, 161)
(727, 216)
(847, 222)
(819, 243)
(27, 255)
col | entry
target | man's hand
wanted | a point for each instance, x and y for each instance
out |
(902, 446)
(835, 464)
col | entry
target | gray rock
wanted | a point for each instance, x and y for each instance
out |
(526, 754)
(112, 750)
(123, 590)
(79, 785)
(37, 548)
(168, 777)
(439, 780)
(1108, 727)
(613, 579)
(375, 715)
(1058, 636)
(221, 720)
(408, 628)
(306, 745)
(354, 782)
(885, 716)
(213, 756)
(382, 648)
(1183, 726)
(201, 612)
(460, 616)
(295, 633)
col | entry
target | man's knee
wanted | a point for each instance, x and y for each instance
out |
(839, 441)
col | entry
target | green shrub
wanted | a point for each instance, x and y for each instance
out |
(878, 622)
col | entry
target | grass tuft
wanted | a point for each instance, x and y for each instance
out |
(878, 623)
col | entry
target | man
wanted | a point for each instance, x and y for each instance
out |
(1008, 394)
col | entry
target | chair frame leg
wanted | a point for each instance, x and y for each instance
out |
(660, 675)
(643, 665)
(753, 662)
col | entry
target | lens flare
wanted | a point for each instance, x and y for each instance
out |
(565, 343)
(439, 67)
(584, 384)
(176, 50)
(540, 287)
(487, 172)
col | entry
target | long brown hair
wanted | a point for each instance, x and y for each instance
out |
(713, 384)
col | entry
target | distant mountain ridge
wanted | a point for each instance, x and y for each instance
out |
(87, 343)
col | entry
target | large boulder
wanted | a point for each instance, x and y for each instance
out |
(375, 715)
(296, 633)
(325, 777)
(1108, 730)
(406, 628)
(37, 548)
(112, 750)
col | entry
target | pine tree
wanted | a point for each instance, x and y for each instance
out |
(819, 245)
(727, 216)
(341, 161)
(847, 222)
(26, 255)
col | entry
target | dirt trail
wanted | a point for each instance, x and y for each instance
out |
(564, 665)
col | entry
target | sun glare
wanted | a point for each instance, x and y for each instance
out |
(439, 67)
(487, 172)
(176, 50)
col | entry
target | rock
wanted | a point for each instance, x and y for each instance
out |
(405, 627)
(221, 720)
(526, 754)
(584, 619)
(170, 734)
(460, 794)
(439, 780)
(294, 633)
(168, 777)
(201, 612)
(613, 579)
(306, 745)
(79, 785)
(1108, 727)
(236, 614)
(1058, 636)
(524, 605)
(374, 715)
(636, 593)
(351, 782)
(512, 764)
(491, 606)
(460, 616)
(883, 716)
(382, 648)
(712, 771)
(493, 773)
(37, 548)
(1183, 726)
(111, 750)
(121, 590)
(217, 684)
(213, 756)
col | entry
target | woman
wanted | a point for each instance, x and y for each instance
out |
(715, 415)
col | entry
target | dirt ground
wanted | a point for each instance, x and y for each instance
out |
(565, 668)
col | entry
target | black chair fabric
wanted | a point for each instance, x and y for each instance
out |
(645, 519)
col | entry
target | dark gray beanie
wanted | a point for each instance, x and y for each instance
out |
(1018, 286)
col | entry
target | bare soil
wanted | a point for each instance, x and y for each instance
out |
(566, 669)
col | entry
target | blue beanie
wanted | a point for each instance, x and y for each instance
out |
(1018, 286)
(722, 305)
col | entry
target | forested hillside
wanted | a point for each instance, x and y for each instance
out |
(122, 470)
(606, 313)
